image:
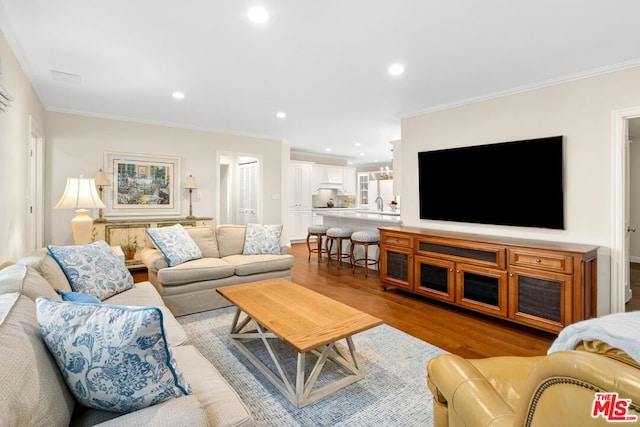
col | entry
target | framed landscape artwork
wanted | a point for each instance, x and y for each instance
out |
(142, 184)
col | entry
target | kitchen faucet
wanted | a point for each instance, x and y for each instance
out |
(379, 203)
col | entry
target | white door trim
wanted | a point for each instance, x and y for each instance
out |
(618, 205)
(35, 179)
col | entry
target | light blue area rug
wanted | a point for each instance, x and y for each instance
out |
(393, 392)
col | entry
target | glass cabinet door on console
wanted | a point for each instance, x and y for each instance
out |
(481, 289)
(396, 267)
(540, 298)
(435, 278)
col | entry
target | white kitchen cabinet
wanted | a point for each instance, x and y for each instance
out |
(301, 186)
(316, 177)
(300, 221)
(349, 181)
(300, 215)
(363, 188)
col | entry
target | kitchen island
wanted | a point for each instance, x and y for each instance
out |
(361, 221)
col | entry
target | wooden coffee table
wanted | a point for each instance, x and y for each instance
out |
(308, 322)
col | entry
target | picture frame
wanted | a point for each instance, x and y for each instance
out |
(142, 185)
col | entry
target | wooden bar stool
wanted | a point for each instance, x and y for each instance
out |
(364, 238)
(338, 235)
(319, 231)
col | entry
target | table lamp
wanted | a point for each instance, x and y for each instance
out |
(80, 194)
(190, 185)
(102, 181)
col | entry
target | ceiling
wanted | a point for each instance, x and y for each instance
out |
(324, 63)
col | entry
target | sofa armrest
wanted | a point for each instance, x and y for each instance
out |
(570, 379)
(470, 397)
(153, 259)
(181, 411)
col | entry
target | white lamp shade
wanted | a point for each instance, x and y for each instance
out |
(191, 183)
(102, 180)
(80, 193)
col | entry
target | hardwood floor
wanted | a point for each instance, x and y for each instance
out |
(468, 334)
(634, 279)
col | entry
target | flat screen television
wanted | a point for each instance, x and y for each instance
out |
(517, 183)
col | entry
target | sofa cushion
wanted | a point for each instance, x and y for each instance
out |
(230, 239)
(205, 238)
(42, 261)
(25, 280)
(221, 403)
(93, 269)
(262, 239)
(182, 411)
(196, 271)
(246, 265)
(143, 294)
(175, 243)
(33, 391)
(113, 358)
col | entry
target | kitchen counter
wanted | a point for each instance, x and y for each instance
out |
(334, 209)
(354, 218)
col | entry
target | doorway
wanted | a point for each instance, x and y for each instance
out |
(239, 188)
(632, 292)
(621, 228)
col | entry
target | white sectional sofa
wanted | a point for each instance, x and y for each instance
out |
(190, 287)
(34, 391)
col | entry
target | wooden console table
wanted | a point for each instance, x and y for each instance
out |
(119, 232)
(546, 285)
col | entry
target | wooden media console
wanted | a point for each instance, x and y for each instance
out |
(545, 285)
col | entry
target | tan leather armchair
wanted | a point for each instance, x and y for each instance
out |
(553, 390)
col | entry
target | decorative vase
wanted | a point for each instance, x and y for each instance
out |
(129, 254)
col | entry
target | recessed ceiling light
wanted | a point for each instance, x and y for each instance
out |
(177, 95)
(375, 161)
(327, 149)
(362, 154)
(349, 162)
(258, 14)
(358, 144)
(281, 115)
(396, 69)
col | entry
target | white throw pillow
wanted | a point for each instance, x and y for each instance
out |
(175, 243)
(93, 269)
(114, 358)
(262, 239)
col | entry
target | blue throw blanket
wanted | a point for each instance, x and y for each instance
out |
(619, 330)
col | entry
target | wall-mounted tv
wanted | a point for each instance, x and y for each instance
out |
(517, 183)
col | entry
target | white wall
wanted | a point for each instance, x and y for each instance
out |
(14, 143)
(580, 110)
(76, 145)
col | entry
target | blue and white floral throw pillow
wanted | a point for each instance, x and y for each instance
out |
(93, 269)
(113, 358)
(262, 239)
(175, 244)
